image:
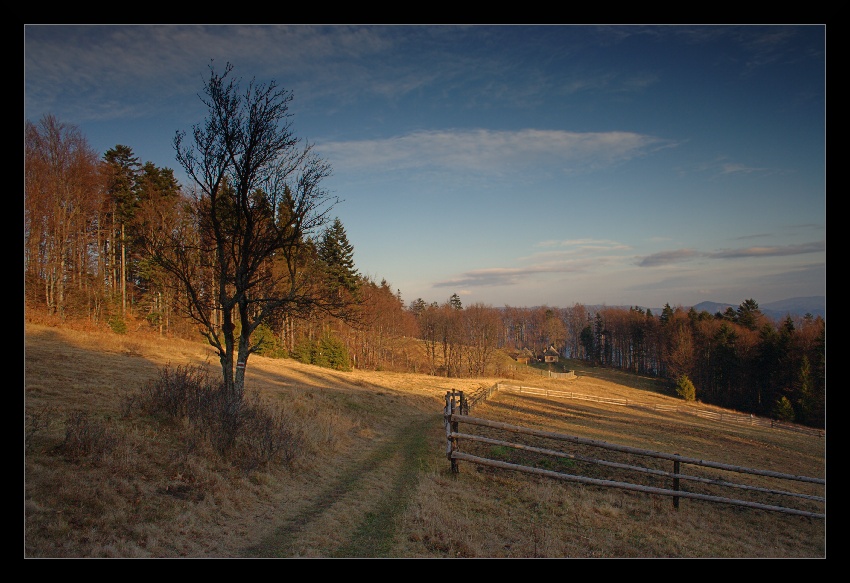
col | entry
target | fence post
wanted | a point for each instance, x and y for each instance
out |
(451, 442)
(447, 413)
(676, 483)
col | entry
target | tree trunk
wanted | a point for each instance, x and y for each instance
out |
(123, 275)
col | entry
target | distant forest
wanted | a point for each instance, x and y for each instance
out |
(82, 262)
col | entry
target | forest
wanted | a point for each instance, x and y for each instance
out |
(88, 221)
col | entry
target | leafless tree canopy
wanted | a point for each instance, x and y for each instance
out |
(257, 200)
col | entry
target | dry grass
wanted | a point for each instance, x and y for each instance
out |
(364, 484)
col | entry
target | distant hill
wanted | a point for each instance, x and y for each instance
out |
(795, 307)
(778, 310)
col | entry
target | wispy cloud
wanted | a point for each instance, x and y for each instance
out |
(769, 251)
(681, 255)
(723, 166)
(492, 151)
(739, 168)
(152, 63)
(554, 261)
(585, 244)
(668, 257)
(499, 276)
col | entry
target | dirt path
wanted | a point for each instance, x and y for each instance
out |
(356, 516)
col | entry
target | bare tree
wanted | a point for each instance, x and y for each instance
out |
(482, 326)
(62, 192)
(244, 253)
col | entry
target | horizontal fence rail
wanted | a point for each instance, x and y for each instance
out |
(570, 374)
(723, 416)
(457, 411)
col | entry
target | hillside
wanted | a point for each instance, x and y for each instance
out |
(371, 478)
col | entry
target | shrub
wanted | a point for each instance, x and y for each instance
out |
(334, 352)
(248, 432)
(783, 410)
(267, 342)
(265, 435)
(117, 324)
(87, 437)
(303, 351)
(329, 352)
(37, 421)
(171, 393)
(685, 388)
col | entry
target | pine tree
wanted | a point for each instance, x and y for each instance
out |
(122, 171)
(337, 254)
(417, 306)
(748, 314)
(666, 314)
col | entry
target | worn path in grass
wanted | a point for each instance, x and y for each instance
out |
(356, 515)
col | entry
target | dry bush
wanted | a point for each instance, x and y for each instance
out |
(90, 438)
(37, 421)
(251, 433)
(266, 435)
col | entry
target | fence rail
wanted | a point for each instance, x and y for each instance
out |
(457, 412)
(724, 416)
(570, 374)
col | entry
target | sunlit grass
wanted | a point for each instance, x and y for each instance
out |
(152, 490)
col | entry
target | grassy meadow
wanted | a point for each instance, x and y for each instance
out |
(367, 474)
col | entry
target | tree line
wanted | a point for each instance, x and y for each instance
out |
(250, 256)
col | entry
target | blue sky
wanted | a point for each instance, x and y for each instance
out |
(513, 164)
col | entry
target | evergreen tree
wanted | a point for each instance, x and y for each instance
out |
(807, 402)
(122, 173)
(337, 254)
(748, 314)
(783, 410)
(730, 315)
(685, 388)
(666, 314)
(417, 306)
(123, 170)
(587, 342)
(601, 348)
(157, 194)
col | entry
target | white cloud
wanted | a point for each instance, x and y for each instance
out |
(490, 151)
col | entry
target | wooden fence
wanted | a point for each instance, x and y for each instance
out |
(457, 411)
(723, 416)
(570, 374)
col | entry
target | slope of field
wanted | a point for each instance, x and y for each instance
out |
(372, 479)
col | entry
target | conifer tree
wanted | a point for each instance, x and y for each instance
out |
(122, 171)
(337, 254)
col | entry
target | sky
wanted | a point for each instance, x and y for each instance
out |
(513, 165)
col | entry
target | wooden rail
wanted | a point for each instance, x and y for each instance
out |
(723, 416)
(457, 411)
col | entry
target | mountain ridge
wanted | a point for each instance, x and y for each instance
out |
(794, 307)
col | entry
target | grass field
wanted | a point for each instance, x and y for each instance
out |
(371, 478)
